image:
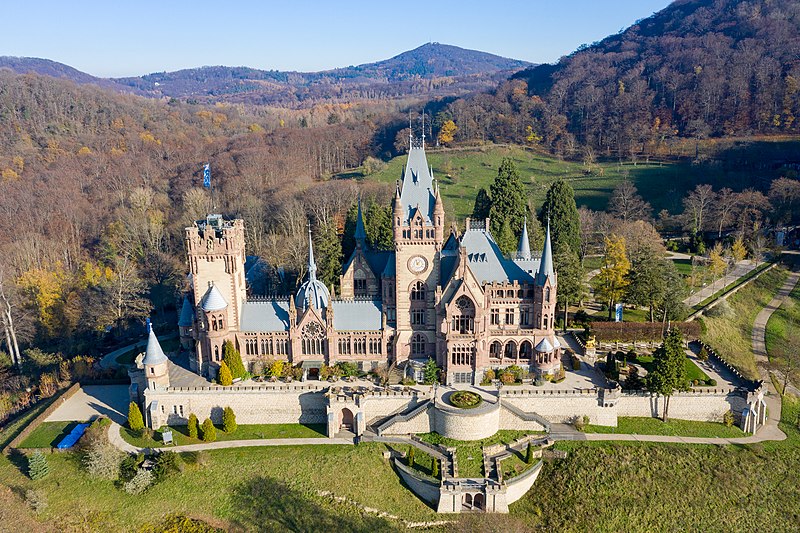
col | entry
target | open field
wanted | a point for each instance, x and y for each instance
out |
(730, 333)
(678, 428)
(783, 325)
(462, 171)
(180, 434)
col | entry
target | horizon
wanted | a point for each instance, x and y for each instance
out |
(98, 45)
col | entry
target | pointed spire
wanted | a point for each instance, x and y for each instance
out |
(312, 266)
(524, 248)
(153, 354)
(546, 265)
(360, 234)
(423, 128)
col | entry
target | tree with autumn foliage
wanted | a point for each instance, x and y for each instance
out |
(447, 132)
(612, 279)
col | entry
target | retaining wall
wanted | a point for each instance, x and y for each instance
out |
(60, 397)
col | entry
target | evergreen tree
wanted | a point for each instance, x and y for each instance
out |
(224, 376)
(483, 205)
(193, 426)
(411, 455)
(535, 231)
(328, 251)
(570, 279)
(209, 431)
(529, 454)
(378, 225)
(135, 419)
(565, 223)
(38, 467)
(232, 358)
(505, 238)
(430, 372)
(646, 280)
(348, 237)
(508, 203)
(671, 306)
(228, 420)
(435, 467)
(668, 373)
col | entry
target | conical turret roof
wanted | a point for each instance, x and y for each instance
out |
(546, 265)
(186, 319)
(213, 300)
(524, 248)
(153, 354)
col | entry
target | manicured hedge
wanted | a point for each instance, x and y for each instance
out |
(639, 331)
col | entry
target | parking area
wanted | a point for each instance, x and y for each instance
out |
(93, 400)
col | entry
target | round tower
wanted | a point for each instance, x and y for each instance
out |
(155, 363)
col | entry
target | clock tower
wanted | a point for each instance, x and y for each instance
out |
(418, 223)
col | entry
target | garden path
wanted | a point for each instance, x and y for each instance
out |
(741, 269)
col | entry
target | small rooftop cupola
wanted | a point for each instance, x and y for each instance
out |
(524, 248)
(213, 300)
(312, 290)
(546, 265)
(153, 354)
(361, 233)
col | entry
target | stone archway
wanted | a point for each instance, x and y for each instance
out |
(346, 420)
(478, 502)
(466, 501)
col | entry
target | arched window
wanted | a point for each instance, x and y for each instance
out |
(418, 344)
(510, 351)
(313, 335)
(464, 316)
(547, 294)
(213, 323)
(495, 349)
(216, 353)
(220, 322)
(418, 292)
(525, 350)
(359, 284)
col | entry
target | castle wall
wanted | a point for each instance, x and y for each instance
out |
(699, 406)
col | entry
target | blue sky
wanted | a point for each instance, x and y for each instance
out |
(122, 38)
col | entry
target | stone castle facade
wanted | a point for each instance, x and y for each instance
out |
(453, 298)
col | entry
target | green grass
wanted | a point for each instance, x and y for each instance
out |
(692, 371)
(48, 434)
(677, 428)
(469, 454)
(168, 345)
(731, 335)
(180, 434)
(729, 288)
(515, 464)
(462, 171)
(783, 326)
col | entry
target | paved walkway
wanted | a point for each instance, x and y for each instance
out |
(94, 400)
(116, 439)
(109, 360)
(741, 269)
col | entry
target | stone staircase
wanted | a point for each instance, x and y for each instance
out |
(527, 416)
(395, 376)
(379, 426)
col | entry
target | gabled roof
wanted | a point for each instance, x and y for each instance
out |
(356, 315)
(153, 354)
(417, 191)
(213, 300)
(268, 315)
(186, 319)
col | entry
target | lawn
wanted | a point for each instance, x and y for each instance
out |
(692, 371)
(180, 434)
(728, 288)
(730, 333)
(515, 464)
(783, 325)
(48, 434)
(678, 428)
(469, 454)
(462, 171)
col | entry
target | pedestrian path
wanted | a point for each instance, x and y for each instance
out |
(741, 269)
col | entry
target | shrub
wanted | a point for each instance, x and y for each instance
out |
(430, 372)
(507, 378)
(224, 376)
(129, 466)
(36, 500)
(581, 422)
(703, 354)
(408, 382)
(728, 419)
(276, 369)
(489, 375)
(576, 363)
(529, 454)
(37, 466)
(139, 483)
(96, 434)
(166, 463)
(465, 399)
(411, 455)
(581, 317)
(232, 358)
(435, 467)
(193, 426)
(228, 420)
(209, 431)
(711, 382)
(347, 369)
(135, 420)
(102, 461)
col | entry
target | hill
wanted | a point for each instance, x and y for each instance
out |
(432, 69)
(697, 68)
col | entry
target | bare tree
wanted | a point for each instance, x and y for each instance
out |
(627, 204)
(697, 205)
(723, 209)
(7, 319)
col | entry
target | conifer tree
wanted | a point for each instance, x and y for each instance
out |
(508, 203)
(348, 236)
(228, 420)
(529, 454)
(328, 252)
(483, 205)
(669, 373)
(232, 358)
(505, 238)
(435, 467)
(209, 431)
(193, 426)
(570, 280)
(565, 223)
(38, 467)
(411, 455)
(135, 419)
(378, 225)
(224, 375)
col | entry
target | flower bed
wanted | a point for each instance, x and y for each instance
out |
(464, 399)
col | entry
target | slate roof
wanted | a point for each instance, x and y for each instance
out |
(213, 300)
(356, 315)
(488, 264)
(544, 346)
(267, 315)
(186, 319)
(417, 186)
(153, 354)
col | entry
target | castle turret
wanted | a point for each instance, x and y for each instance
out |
(546, 285)
(524, 248)
(156, 370)
(186, 323)
(312, 292)
(360, 234)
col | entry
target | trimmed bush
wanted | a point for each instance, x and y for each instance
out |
(711, 382)
(464, 399)
(209, 431)
(224, 376)
(193, 426)
(435, 467)
(529, 454)
(411, 455)
(135, 419)
(139, 483)
(38, 467)
(232, 358)
(228, 420)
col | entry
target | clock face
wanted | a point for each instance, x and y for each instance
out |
(417, 264)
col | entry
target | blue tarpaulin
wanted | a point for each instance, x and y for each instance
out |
(70, 440)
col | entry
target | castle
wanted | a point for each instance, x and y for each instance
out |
(455, 299)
